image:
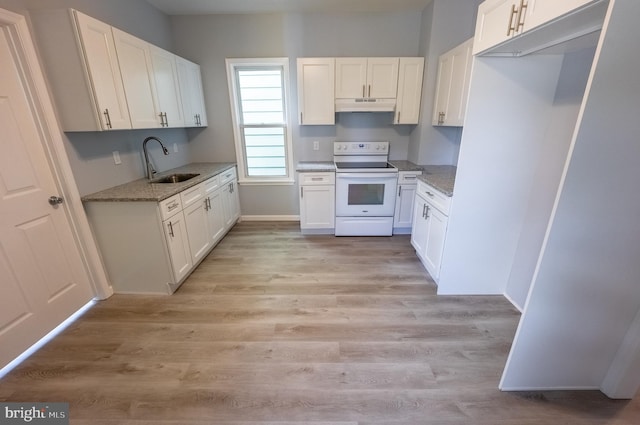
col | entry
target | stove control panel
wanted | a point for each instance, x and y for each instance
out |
(368, 148)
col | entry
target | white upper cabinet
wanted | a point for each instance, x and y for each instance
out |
(539, 12)
(452, 87)
(103, 68)
(375, 78)
(80, 60)
(137, 71)
(316, 102)
(496, 23)
(103, 78)
(502, 20)
(167, 86)
(409, 90)
(191, 90)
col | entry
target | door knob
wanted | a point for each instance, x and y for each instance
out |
(55, 200)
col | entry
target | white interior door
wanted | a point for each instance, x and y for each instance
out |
(41, 270)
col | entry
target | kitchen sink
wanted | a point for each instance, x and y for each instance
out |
(175, 178)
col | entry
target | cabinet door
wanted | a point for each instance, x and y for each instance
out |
(382, 78)
(443, 89)
(175, 232)
(409, 90)
(136, 69)
(167, 87)
(404, 206)
(419, 228)
(196, 221)
(104, 72)
(496, 23)
(542, 11)
(230, 203)
(215, 216)
(351, 78)
(190, 80)
(317, 207)
(316, 101)
(452, 89)
(436, 232)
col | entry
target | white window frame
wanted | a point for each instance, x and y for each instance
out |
(243, 178)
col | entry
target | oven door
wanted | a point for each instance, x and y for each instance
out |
(366, 194)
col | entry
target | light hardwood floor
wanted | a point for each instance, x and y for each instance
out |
(278, 328)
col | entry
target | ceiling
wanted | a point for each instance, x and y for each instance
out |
(203, 7)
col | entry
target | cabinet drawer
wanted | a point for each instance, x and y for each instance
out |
(309, 179)
(408, 177)
(227, 176)
(192, 195)
(170, 206)
(434, 197)
(211, 185)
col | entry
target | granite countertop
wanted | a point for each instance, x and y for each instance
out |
(315, 166)
(143, 191)
(441, 177)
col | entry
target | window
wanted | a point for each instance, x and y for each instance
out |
(258, 90)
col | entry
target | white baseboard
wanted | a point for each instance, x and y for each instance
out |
(515, 304)
(270, 218)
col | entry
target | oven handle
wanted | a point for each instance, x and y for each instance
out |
(357, 176)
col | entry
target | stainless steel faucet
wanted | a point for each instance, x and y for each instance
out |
(149, 168)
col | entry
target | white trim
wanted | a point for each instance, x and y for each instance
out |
(512, 301)
(270, 218)
(54, 147)
(231, 64)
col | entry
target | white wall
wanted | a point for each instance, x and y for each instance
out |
(553, 153)
(585, 294)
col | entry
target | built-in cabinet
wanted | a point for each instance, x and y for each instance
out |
(330, 85)
(410, 77)
(403, 216)
(151, 247)
(316, 100)
(105, 79)
(502, 20)
(191, 90)
(430, 219)
(317, 202)
(452, 87)
(375, 78)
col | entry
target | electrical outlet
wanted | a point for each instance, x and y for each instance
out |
(175, 148)
(316, 145)
(116, 158)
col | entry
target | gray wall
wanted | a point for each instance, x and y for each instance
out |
(445, 24)
(90, 154)
(208, 40)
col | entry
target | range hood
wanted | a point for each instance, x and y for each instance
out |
(365, 105)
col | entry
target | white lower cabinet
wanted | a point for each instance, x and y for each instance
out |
(317, 203)
(175, 233)
(403, 216)
(151, 247)
(229, 197)
(428, 234)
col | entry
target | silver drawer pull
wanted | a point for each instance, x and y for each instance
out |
(410, 177)
(172, 206)
(430, 194)
(317, 179)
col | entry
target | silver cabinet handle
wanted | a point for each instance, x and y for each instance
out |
(427, 216)
(521, 15)
(512, 27)
(430, 194)
(171, 230)
(55, 200)
(399, 191)
(301, 191)
(172, 207)
(108, 118)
